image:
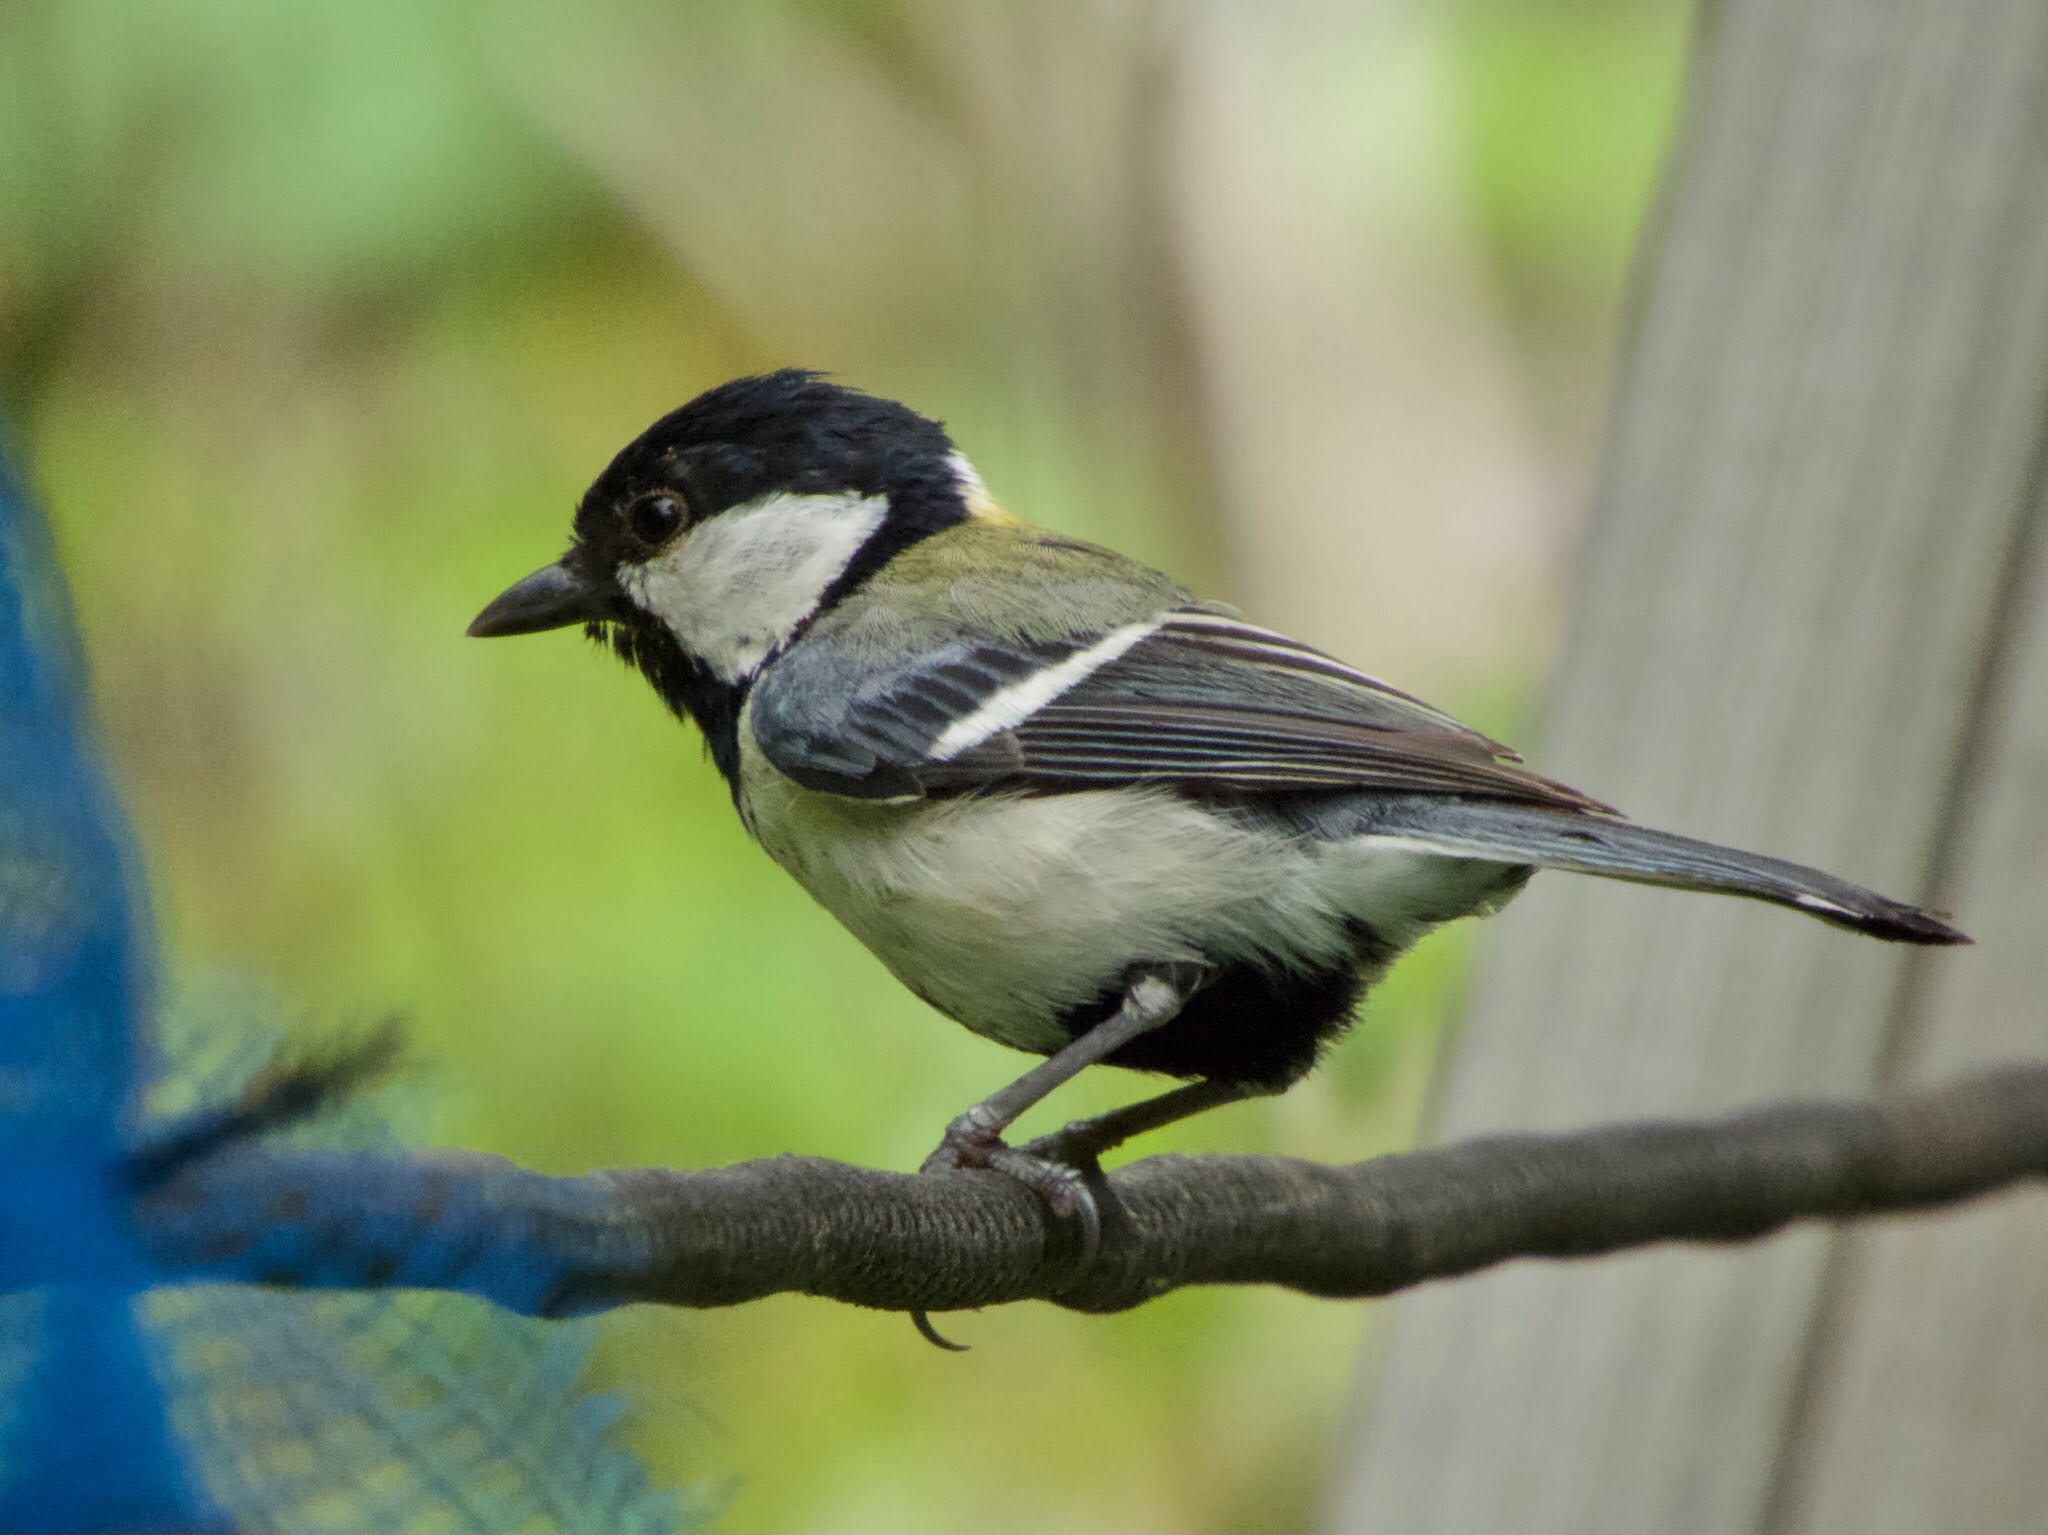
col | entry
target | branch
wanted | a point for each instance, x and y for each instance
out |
(557, 1246)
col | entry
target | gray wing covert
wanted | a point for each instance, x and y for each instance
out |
(1192, 697)
(832, 722)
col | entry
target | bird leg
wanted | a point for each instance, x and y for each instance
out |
(1082, 1142)
(975, 1139)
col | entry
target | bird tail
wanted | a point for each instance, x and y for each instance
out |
(1617, 849)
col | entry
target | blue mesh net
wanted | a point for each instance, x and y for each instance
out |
(125, 1406)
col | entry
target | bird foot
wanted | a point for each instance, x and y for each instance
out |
(972, 1142)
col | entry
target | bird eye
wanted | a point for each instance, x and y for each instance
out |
(655, 520)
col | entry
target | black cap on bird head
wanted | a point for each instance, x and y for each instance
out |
(792, 432)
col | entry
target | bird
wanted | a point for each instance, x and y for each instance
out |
(1066, 802)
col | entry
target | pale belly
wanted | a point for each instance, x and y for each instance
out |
(1006, 912)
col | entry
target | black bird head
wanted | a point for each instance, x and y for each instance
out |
(790, 435)
(716, 536)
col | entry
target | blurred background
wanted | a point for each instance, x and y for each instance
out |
(314, 321)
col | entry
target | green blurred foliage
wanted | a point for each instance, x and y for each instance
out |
(316, 319)
(1562, 116)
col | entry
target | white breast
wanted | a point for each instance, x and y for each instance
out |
(1006, 911)
(734, 588)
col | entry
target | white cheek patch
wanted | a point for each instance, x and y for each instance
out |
(735, 588)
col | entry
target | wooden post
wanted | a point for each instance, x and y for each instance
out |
(1813, 619)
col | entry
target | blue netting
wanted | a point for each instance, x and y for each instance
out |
(209, 1407)
(84, 1442)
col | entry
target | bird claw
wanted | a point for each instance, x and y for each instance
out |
(972, 1145)
(1063, 1187)
(922, 1321)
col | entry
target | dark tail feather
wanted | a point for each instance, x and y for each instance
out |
(1597, 844)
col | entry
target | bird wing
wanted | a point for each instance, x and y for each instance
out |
(1186, 695)
(1193, 698)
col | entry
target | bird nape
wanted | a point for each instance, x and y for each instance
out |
(1073, 806)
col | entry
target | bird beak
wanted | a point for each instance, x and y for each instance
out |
(553, 597)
